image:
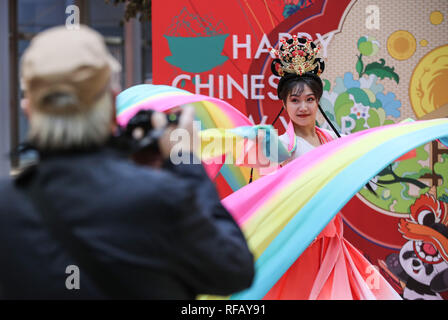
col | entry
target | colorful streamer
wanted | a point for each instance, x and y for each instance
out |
(211, 112)
(282, 213)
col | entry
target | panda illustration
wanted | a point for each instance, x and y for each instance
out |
(422, 263)
(422, 279)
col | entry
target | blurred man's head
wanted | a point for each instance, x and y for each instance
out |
(69, 78)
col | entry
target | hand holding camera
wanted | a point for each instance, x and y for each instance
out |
(149, 134)
(183, 126)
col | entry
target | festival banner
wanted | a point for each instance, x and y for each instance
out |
(386, 61)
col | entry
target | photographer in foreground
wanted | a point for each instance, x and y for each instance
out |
(87, 223)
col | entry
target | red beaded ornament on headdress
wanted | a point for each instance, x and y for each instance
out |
(297, 56)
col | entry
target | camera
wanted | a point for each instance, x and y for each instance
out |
(140, 139)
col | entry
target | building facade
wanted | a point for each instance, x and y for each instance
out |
(129, 42)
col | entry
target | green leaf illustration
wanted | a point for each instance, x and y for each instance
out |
(342, 106)
(359, 125)
(359, 95)
(373, 120)
(327, 85)
(377, 104)
(441, 168)
(359, 66)
(381, 70)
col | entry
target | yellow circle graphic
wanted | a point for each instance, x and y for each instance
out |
(436, 17)
(401, 45)
(423, 43)
(429, 82)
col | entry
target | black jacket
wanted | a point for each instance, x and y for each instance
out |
(162, 233)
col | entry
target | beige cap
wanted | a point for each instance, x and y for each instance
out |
(74, 62)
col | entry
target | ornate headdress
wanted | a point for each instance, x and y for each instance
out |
(297, 56)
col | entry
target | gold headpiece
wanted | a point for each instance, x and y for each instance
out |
(297, 56)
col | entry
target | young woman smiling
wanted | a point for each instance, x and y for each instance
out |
(330, 268)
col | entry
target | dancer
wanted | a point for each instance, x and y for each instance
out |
(300, 94)
(330, 268)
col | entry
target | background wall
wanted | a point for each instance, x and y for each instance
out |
(386, 61)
